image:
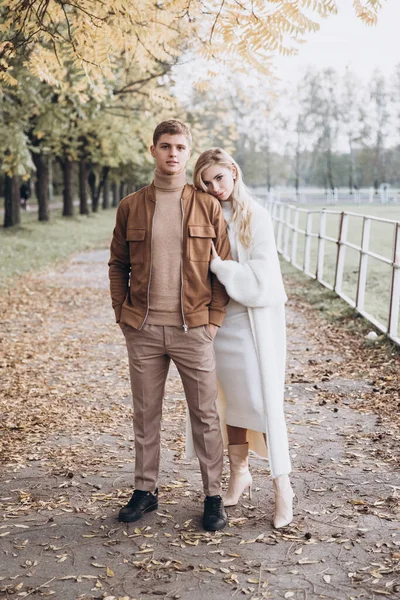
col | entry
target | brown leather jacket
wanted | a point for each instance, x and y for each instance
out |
(203, 297)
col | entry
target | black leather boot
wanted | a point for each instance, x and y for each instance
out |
(214, 513)
(140, 503)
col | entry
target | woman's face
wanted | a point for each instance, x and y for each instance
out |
(219, 181)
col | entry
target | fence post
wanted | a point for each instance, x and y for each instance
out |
(272, 210)
(321, 246)
(362, 272)
(307, 244)
(287, 232)
(270, 205)
(280, 226)
(295, 235)
(393, 323)
(276, 208)
(335, 195)
(341, 252)
(371, 195)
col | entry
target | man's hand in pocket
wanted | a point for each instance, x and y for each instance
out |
(212, 329)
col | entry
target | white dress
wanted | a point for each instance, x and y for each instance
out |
(237, 363)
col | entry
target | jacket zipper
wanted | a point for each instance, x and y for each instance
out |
(151, 265)
(185, 327)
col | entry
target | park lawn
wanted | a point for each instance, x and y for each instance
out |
(377, 298)
(331, 309)
(34, 245)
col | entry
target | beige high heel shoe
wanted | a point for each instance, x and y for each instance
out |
(284, 495)
(240, 476)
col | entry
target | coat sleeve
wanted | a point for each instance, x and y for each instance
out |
(257, 282)
(119, 263)
(220, 298)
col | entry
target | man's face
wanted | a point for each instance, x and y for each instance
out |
(171, 153)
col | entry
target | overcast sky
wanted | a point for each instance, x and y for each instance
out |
(344, 40)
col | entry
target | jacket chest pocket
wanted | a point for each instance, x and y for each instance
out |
(135, 239)
(200, 238)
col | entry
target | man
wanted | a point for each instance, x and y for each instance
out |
(169, 306)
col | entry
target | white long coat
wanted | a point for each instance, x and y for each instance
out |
(256, 282)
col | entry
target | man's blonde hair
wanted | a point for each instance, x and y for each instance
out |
(241, 197)
(172, 127)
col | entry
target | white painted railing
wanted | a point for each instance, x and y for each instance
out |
(286, 219)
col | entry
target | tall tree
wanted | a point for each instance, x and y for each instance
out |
(12, 211)
(353, 120)
(297, 121)
(379, 118)
(16, 159)
(323, 110)
(395, 98)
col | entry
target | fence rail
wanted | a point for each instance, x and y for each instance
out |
(286, 219)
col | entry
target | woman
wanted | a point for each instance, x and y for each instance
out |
(250, 346)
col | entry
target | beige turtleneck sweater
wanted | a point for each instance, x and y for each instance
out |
(165, 286)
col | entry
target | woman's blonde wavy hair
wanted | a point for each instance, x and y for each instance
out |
(241, 196)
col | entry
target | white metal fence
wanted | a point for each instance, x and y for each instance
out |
(287, 219)
(385, 195)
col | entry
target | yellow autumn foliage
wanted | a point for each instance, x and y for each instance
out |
(102, 38)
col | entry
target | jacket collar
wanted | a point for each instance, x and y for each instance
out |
(188, 191)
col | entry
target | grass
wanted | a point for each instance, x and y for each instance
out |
(379, 275)
(330, 306)
(34, 245)
(319, 297)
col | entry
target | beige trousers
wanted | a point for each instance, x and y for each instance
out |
(150, 351)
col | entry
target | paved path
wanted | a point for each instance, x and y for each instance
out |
(68, 449)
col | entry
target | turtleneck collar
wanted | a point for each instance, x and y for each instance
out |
(169, 183)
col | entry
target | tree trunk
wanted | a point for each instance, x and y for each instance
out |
(106, 194)
(51, 187)
(114, 190)
(121, 190)
(12, 209)
(42, 185)
(329, 170)
(68, 205)
(83, 198)
(376, 171)
(297, 158)
(102, 182)
(377, 163)
(297, 172)
(92, 185)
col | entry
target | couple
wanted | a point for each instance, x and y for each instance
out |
(184, 257)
